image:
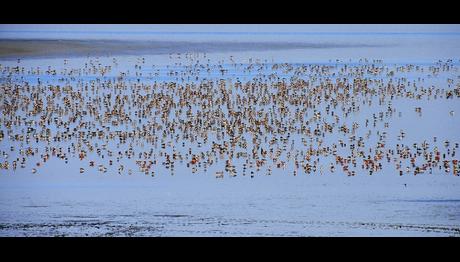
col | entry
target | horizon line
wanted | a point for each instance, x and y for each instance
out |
(226, 33)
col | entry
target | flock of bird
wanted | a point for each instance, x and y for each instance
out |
(223, 118)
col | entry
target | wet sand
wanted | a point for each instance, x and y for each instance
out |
(15, 49)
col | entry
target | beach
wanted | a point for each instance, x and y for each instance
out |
(14, 49)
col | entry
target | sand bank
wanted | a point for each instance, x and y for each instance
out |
(14, 49)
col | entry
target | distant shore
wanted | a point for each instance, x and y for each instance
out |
(15, 49)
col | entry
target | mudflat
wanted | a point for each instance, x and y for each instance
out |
(18, 48)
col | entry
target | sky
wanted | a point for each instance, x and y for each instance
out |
(345, 28)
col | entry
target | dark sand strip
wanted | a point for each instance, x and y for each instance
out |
(14, 49)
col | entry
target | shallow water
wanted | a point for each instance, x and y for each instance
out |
(59, 201)
(297, 206)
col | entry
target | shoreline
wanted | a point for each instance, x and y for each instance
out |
(40, 48)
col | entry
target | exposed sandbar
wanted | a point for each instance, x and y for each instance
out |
(14, 49)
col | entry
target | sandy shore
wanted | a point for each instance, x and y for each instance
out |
(14, 49)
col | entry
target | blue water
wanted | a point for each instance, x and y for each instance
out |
(278, 204)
